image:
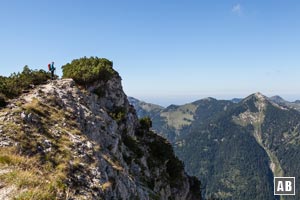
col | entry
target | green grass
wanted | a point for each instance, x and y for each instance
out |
(180, 117)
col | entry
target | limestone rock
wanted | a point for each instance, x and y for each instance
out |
(111, 157)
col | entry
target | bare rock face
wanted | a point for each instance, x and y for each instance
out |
(92, 140)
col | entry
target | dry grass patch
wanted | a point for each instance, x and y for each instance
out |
(32, 179)
(113, 163)
(106, 185)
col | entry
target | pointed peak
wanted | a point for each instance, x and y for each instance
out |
(255, 102)
(259, 95)
(256, 96)
(262, 100)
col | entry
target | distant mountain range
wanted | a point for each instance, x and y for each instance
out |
(282, 102)
(235, 147)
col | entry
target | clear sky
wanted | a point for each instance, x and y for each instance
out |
(167, 51)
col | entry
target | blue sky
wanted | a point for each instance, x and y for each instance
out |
(166, 51)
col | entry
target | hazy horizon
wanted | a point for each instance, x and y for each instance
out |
(180, 99)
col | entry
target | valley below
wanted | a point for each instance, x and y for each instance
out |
(235, 147)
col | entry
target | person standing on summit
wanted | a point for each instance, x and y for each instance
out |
(52, 69)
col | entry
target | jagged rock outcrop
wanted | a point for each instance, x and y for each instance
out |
(64, 141)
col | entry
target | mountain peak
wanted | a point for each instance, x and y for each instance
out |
(277, 99)
(255, 102)
(256, 127)
(259, 95)
(256, 97)
(260, 101)
(92, 142)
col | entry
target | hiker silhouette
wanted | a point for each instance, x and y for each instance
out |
(52, 69)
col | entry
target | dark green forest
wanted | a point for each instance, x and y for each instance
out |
(232, 159)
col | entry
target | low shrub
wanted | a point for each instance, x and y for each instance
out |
(16, 83)
(133, 146)
(146, 123)
(118, 113)
(2, 101)
(85, 71)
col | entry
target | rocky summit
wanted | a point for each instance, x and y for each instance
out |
(60, 140)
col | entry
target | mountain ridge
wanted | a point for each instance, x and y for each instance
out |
(240, 145)
(61, 140)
